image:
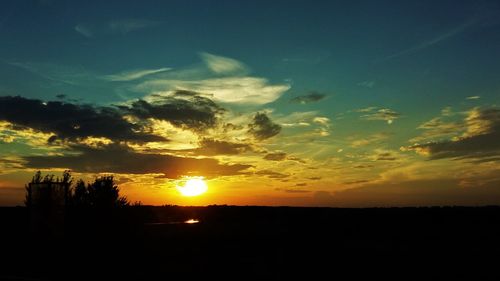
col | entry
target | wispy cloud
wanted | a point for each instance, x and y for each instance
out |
(239, 90)
(384, 114)
(437, 128)
(429, 43)
(223, 65)
(225, 86)
(84, 30)
(129, 25)
(297, 119)
(473, 98)
(55, 72)
(223, 79)
(134, 74)
(122, 26)
(371, 139)
(309, 98)
(319, 125)
(367, 84)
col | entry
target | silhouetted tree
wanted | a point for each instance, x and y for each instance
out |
(80, 196)
(48, 179)
(103, 193)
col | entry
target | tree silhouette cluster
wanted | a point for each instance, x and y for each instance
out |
(102, 193)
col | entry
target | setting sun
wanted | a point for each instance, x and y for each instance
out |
(193, 187)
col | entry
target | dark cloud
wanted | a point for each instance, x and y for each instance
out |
(280, 156)
(262, 127)
(121, 159)
(71, 121)
(309, 98)
(290, 190)
(271, 174)
(231, 127)
(208, 147)
(363, 166)
(356, 182)
(482, 139)
(184, 109)
(211, 147)
(277, 156)
(387, 156)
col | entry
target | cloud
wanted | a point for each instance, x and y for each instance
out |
(356, 182)
(325, 121)
(371, 139)
(473, 98)
(134, 74)
(290, 190)
(297, 119)
(221, 79)
(223, 65)
(366, 109)
(210, 147)
(436, 128)
(84, 30)
(480, 139)
(383, 114)
(281, 156)
(238, 90)
(57, 73)
(367, 84)
(71, 121)
(271, 174)
(120, 159)
(309, 98)
(122, 26)
(429, 43)
(129, 25)
(262, 127)
(306, 119)
(277, 156)
(385, 156)
(363, 166)
(183, 109)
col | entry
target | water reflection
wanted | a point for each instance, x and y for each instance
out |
(190, 221)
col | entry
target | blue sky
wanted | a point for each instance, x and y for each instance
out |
(344, 80)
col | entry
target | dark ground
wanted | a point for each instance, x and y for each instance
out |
(260, 243)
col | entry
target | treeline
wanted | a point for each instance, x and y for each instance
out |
(102, 193)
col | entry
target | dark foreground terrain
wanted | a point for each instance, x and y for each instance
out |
(258, 243)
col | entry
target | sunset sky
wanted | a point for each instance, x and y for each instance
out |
(301, 103)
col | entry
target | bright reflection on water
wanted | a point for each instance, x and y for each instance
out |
(190, 221)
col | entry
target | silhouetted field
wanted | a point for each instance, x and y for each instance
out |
(146, 243)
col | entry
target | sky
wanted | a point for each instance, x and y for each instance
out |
(297, 103)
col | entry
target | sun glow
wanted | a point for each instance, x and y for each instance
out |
(193, 187)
